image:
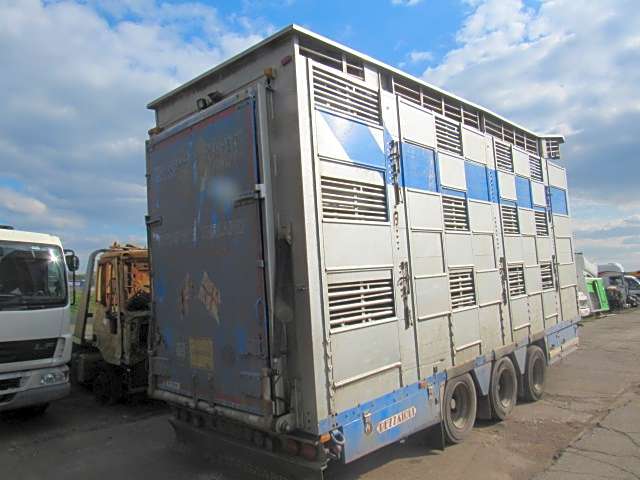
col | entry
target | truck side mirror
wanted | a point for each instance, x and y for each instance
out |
(73, 262)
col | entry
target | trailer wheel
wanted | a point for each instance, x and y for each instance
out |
(503, 391)
(459, 408)
(535, 374)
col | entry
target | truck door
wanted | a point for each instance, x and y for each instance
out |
(207, 258)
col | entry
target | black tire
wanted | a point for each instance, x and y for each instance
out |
(503, 391)
(459, 408)
(535, 374)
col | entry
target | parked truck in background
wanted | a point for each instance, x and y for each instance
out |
(35, 342)
(343, 255)
(112, 324)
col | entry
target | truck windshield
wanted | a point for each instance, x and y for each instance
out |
(31, 276)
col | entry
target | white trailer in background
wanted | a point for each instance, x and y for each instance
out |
(35, 339)
(343, 255)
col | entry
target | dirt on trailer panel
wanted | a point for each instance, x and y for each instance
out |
(586, 426)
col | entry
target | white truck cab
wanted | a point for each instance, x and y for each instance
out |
(35, 338)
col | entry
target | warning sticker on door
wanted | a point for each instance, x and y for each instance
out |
(201, 352)
(396, 420)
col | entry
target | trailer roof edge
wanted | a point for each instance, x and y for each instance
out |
(294, 28)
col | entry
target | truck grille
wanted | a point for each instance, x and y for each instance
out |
(448, 136)
(462, 288)
(26, 350)
(504, 157)
(9, 383)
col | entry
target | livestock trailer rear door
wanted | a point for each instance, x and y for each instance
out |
(210, 340)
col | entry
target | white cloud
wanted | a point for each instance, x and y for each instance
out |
(406, 3)
(73, 120)
(417, 56)
(567, 67)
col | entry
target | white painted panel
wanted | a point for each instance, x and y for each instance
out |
(565, 255)
(348, 172)
(466, 328)
(328, 143)
(536, 316)
(521, 163)
(567, 274)
(389, 113)
(538, 193)
(507, 185)
(488, 286)
(351, 395)
(562, 226)
(545, 248)
(490, 327)
(569, 303)
(481, 217)
(529, 252)
(452, 172)
(459, 250)
(425, 210)
(432, 296)
(426, 253)
(513, 248)
(557, 175)
(434, 348)
(376, 346)
(348, 245)
(483, 254)
(532, 279)
(519, 317)
(474, 145)
(527, 221)
(417, 125)
(550, 307)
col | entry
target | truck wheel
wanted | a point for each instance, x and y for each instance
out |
(503, 391)
(459, 408)
(535, 374)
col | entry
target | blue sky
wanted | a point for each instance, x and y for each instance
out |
(78, 74)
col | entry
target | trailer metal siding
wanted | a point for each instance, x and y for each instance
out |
(401, 272)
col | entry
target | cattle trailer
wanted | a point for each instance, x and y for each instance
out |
(343, 255)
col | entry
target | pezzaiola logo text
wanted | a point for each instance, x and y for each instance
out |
(397, 419)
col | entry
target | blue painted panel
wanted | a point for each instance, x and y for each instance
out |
(419, 167)
(508, 202)
(390, 424)
(523, 192)
(453, 193)
(539, 209)
(357, 140)
(477, 184)
(558, 201)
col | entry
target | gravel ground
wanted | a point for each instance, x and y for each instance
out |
(586, 426)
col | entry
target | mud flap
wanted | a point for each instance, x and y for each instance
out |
(246, 460)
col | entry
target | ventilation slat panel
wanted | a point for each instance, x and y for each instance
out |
(455, 211)
(504, 157)
(351, 200)
(462, 288)
(546, 272)
(516, 280)
(510, 223)
(542, 225)
(353, 303)
(535, 165)
(448, 136)
(344, 96)
(553, 148)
